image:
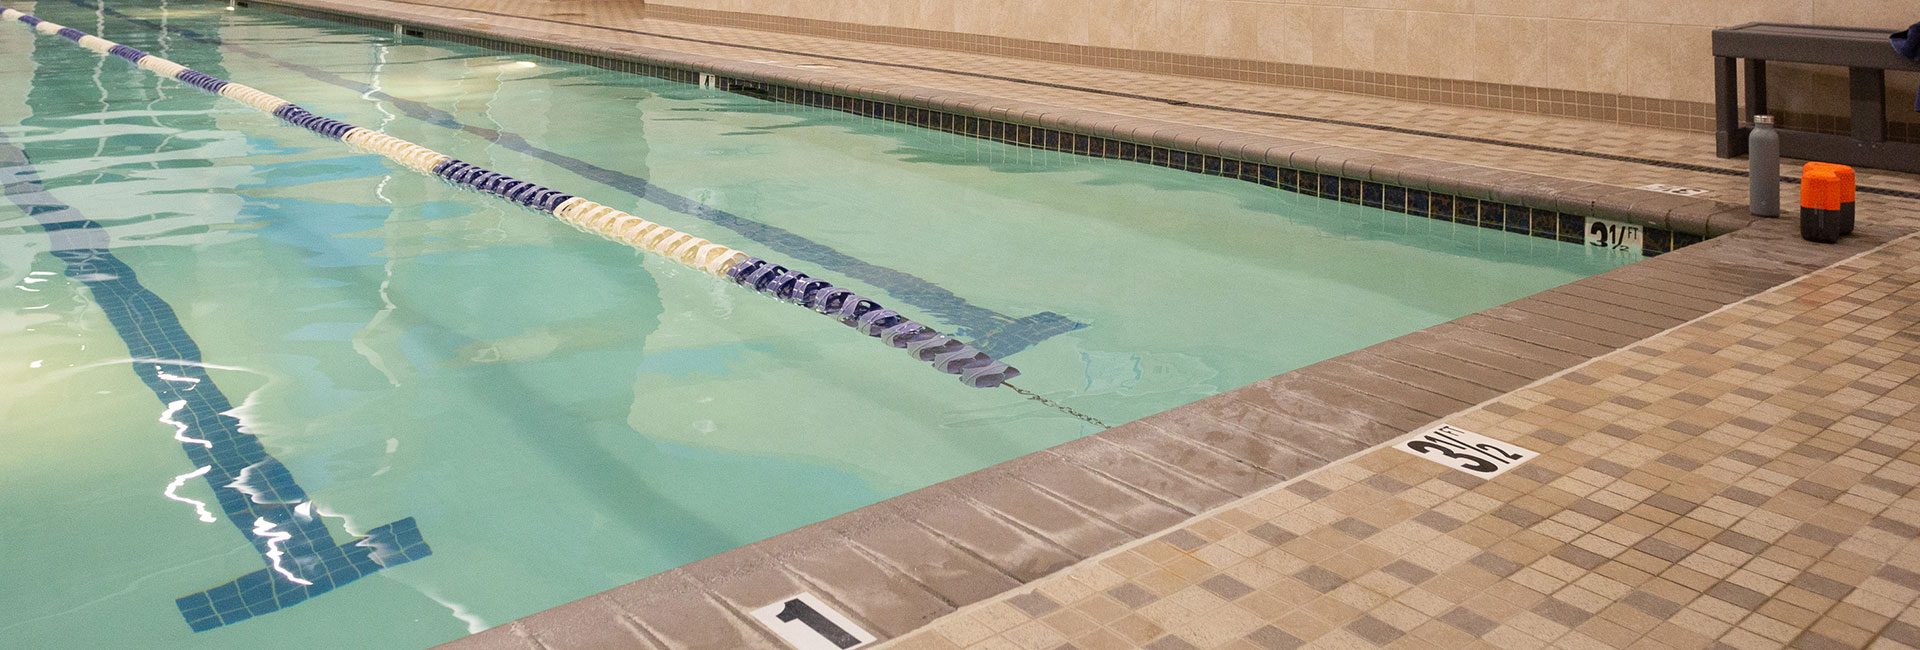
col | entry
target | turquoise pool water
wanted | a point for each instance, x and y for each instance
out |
(558, 414)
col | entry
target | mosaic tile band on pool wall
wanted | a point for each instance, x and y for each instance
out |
(1465, 210)
(975, 368)
(1493, 215)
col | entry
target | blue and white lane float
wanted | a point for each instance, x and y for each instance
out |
(947, 354)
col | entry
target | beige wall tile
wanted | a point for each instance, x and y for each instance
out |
(1649, 48)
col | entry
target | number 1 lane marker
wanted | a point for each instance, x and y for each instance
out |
(806, 623)
(1466, 451)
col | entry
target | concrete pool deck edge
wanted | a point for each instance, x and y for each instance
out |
(900, 563)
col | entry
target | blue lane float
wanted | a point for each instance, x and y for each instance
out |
(130, 54)
(947, 354)
(974, 367)
(501, 185)
(202, 81)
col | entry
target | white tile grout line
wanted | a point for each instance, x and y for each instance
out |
(1027, 587)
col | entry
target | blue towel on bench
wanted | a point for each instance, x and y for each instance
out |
(1907, 43)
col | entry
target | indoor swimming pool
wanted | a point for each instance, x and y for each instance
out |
(550, 413)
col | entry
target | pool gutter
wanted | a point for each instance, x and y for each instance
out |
(901, 563)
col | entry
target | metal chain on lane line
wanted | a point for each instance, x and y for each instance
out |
(1056, 406)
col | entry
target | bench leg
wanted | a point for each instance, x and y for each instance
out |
(1756, 88)
(1729, 139)
(1869, 98)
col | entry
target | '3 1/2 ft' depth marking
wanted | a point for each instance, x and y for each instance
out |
(1466, 451)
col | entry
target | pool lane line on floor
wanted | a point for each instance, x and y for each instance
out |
(975, 368)
(1655, 162)
(256, 492)
(996, 334)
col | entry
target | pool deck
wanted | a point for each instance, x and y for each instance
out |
(1726, 432)
(1746, 480)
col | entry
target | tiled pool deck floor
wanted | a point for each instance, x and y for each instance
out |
(1741, 479)
(1747, 479)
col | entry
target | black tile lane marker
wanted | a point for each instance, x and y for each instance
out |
(1654, 162)
(255, 491)
(994, 333)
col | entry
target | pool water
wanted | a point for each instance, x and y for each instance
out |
(559, 414)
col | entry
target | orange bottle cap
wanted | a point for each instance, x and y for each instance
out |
(1847, 187)
(1820, 190)
(1844, 189)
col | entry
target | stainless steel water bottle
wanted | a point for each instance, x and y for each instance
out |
(1763, 168)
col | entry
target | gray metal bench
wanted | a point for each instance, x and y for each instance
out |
(1866, 55)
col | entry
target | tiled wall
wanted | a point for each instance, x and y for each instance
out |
(1635, 61)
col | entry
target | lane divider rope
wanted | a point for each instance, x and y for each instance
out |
(949, 355)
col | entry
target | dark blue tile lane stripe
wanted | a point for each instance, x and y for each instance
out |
(996, 334)
(168, 361)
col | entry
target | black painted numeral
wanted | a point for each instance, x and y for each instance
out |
(1610, 236)
(1480, 457)
(1473, 463)
(1497, 452)
(799, 611)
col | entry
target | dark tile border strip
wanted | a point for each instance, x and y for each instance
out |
(1485, 213)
